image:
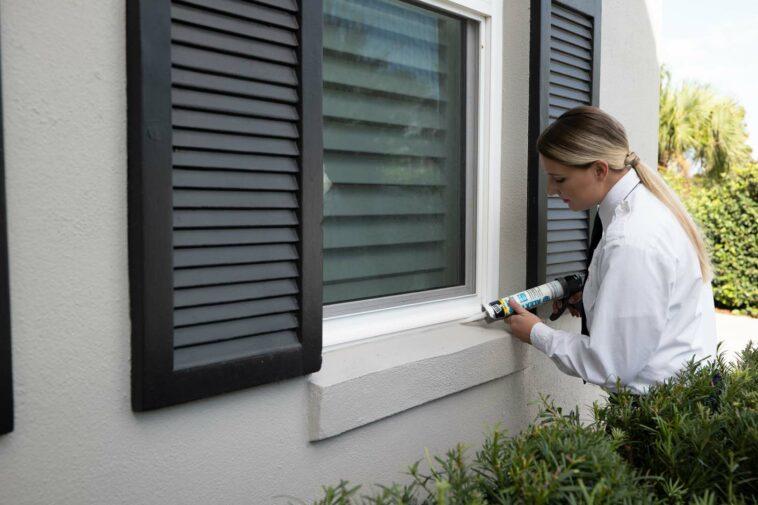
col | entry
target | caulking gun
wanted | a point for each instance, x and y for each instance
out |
(562, 287)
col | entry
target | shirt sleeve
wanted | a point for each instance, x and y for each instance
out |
(628, 319)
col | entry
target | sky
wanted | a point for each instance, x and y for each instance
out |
(715, 42)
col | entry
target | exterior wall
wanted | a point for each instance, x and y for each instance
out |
(76, 439)
(628, 69)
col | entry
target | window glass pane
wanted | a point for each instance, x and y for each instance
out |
(394, 188)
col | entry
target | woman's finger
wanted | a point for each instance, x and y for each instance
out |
(516, 306)
(575, 297)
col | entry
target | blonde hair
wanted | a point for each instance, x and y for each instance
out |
(583, 135)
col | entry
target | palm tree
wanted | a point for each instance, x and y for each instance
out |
(696, 125)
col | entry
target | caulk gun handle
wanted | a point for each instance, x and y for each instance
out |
(563, 304)
(571, 284)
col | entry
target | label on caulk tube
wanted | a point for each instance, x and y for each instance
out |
(499, 309)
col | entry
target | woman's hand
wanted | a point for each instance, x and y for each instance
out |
(572, 301)
(521, 322)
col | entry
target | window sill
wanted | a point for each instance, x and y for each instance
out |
(353, 327)
(371, 380)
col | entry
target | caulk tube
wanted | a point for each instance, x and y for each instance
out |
(553, 290)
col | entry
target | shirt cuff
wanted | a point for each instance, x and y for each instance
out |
(541, 336)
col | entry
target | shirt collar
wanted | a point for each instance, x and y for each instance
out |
(616, 194)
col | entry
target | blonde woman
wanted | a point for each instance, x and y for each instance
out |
(647, 298)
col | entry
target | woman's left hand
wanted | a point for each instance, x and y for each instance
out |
(521, 322)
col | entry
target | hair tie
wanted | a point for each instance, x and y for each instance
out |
(631, 160)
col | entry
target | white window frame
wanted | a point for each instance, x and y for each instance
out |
(344, 329)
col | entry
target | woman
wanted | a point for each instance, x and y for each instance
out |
(647, 297)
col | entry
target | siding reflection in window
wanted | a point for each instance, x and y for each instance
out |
(394, 203)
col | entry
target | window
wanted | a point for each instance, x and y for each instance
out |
(411, 190)
(395, 167)
(394, 103)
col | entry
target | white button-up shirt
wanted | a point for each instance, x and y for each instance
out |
(648, 309)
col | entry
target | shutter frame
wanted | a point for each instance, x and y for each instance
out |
(539, 70)
(6, 374)
(155, 383)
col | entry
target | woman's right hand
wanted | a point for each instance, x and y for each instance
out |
(573, 300)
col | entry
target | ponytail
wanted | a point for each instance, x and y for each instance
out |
(655, 183)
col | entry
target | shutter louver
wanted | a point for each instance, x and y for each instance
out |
(228, 42)
(565, 51)
(245, 258)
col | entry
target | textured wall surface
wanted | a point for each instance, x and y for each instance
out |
(629, 71)
(76, 439)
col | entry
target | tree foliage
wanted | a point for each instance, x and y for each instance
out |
(697, 126)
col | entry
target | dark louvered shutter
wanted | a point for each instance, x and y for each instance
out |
(225, 195)
(564, 74)
(6, 377)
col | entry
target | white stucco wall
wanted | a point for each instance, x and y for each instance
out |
(629, 71)
(76, 439)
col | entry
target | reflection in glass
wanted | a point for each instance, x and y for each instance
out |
(393, 149)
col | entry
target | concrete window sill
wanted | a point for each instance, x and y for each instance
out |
(367, 381)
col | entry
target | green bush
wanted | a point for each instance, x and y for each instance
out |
(726, 208)
(695, 436)
(557, 460)
(686, 441)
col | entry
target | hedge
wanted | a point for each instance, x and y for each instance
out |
(692, 439)
(555, 461)
(726, 208)
(697, 432)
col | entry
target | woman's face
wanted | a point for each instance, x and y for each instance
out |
(580, 188)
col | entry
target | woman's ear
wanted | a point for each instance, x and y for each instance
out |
(601, 170)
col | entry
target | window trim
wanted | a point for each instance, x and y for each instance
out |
(372, 322)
